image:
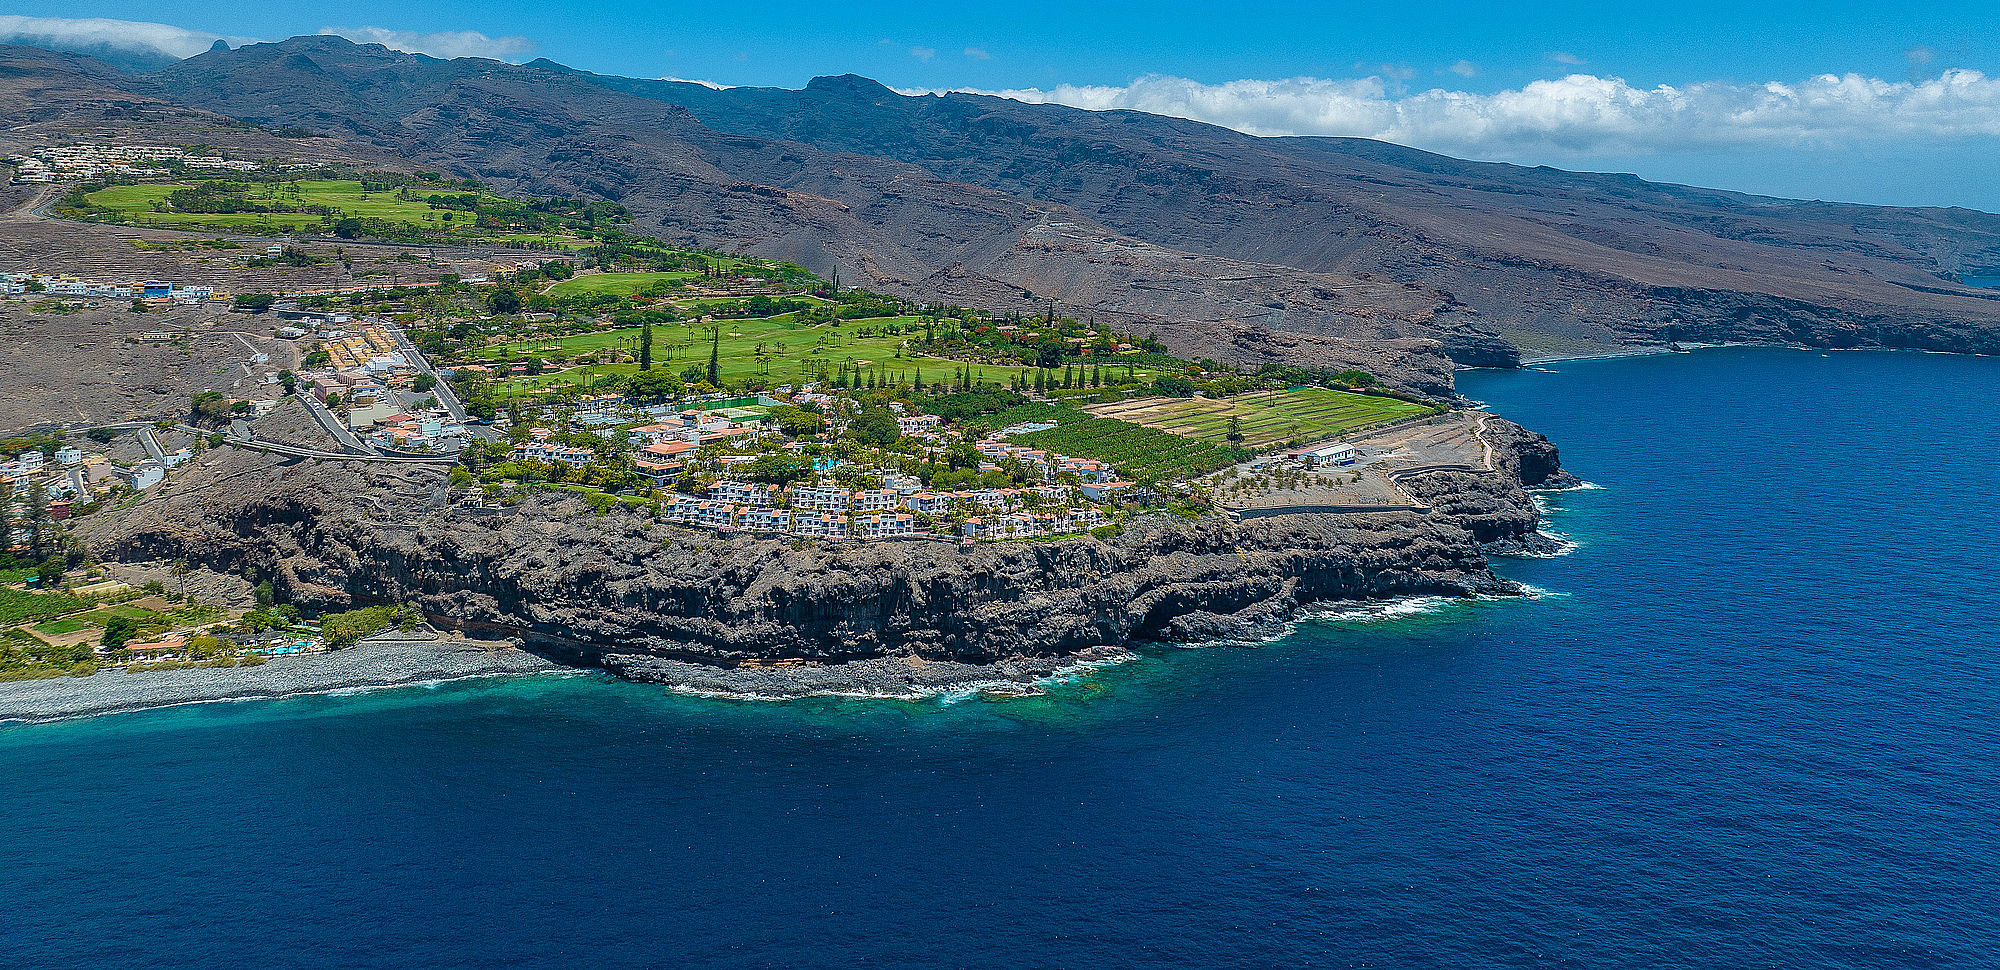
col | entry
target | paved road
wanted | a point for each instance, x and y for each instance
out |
(152, 444)
(333, 425)
(416, 358)
(279, 448)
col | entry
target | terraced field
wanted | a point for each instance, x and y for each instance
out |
(1267, 420)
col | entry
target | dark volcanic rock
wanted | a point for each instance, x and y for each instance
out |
(1495, 506)
(582, 587)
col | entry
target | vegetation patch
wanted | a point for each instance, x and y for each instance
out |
(1264, 420)
(17, 606)
(1138, 452)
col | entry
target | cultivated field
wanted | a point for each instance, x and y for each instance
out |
(1138, 452)
(1266, 420)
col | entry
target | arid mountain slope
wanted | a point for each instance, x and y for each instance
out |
(1186, 228)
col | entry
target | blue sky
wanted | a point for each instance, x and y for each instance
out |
(1726, 94)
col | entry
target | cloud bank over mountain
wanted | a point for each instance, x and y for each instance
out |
(446, 44)
(1578, 115)
(125, 43)
(140, 45)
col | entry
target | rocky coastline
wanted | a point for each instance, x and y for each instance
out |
(755, 616)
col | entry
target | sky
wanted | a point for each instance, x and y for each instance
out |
(1890, 103)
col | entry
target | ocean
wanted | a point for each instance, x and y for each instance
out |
(1752, 720)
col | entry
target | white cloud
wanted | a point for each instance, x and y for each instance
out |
(67, 33)
(978, 54)
(711, 85)
(446, 43)
(1464, 68)
(1565, 57)
(1579, 115)
(923, 53)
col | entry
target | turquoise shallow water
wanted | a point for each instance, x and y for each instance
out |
(1752, 723)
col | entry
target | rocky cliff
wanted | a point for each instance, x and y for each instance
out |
(624, 591)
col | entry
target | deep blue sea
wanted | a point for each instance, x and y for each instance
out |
(1753, 722)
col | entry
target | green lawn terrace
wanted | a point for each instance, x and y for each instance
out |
(615, 284)
(151, 204)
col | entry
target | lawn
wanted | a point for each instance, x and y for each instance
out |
(777, 347)
(1266, 420)
(57, 628)
(344, 196)
(531, 239)
(103, 614)
(613, 284)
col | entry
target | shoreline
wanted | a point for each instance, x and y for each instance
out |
(1689, 348)
(368, 665)
(899, 678)
(388, 663)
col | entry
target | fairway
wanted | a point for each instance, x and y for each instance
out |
(779, 348)
(1266, 420)
(613, 284)
(347, 198)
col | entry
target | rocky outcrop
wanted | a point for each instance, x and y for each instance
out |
(624, 590)
(1414, 366)
(1495, 506)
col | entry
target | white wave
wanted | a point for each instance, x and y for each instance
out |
(1580, 486)
(1377, 611)
(943, 694)
(1557, 546)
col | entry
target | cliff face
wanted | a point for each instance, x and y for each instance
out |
(578, 586)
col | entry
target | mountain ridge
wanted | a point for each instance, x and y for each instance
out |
(1188, 228)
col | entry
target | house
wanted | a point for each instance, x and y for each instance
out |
(667, 450)
(547, 453)
(880, 525)
(744, 493)
(824, 525)
(877, 500)
(767, 520)
(69, 455)
(165, 647)
(820, 498)
(929, 503)
(713, 513)
(657, 472)
(676, 508)
(1105, 491)
(142, 476)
